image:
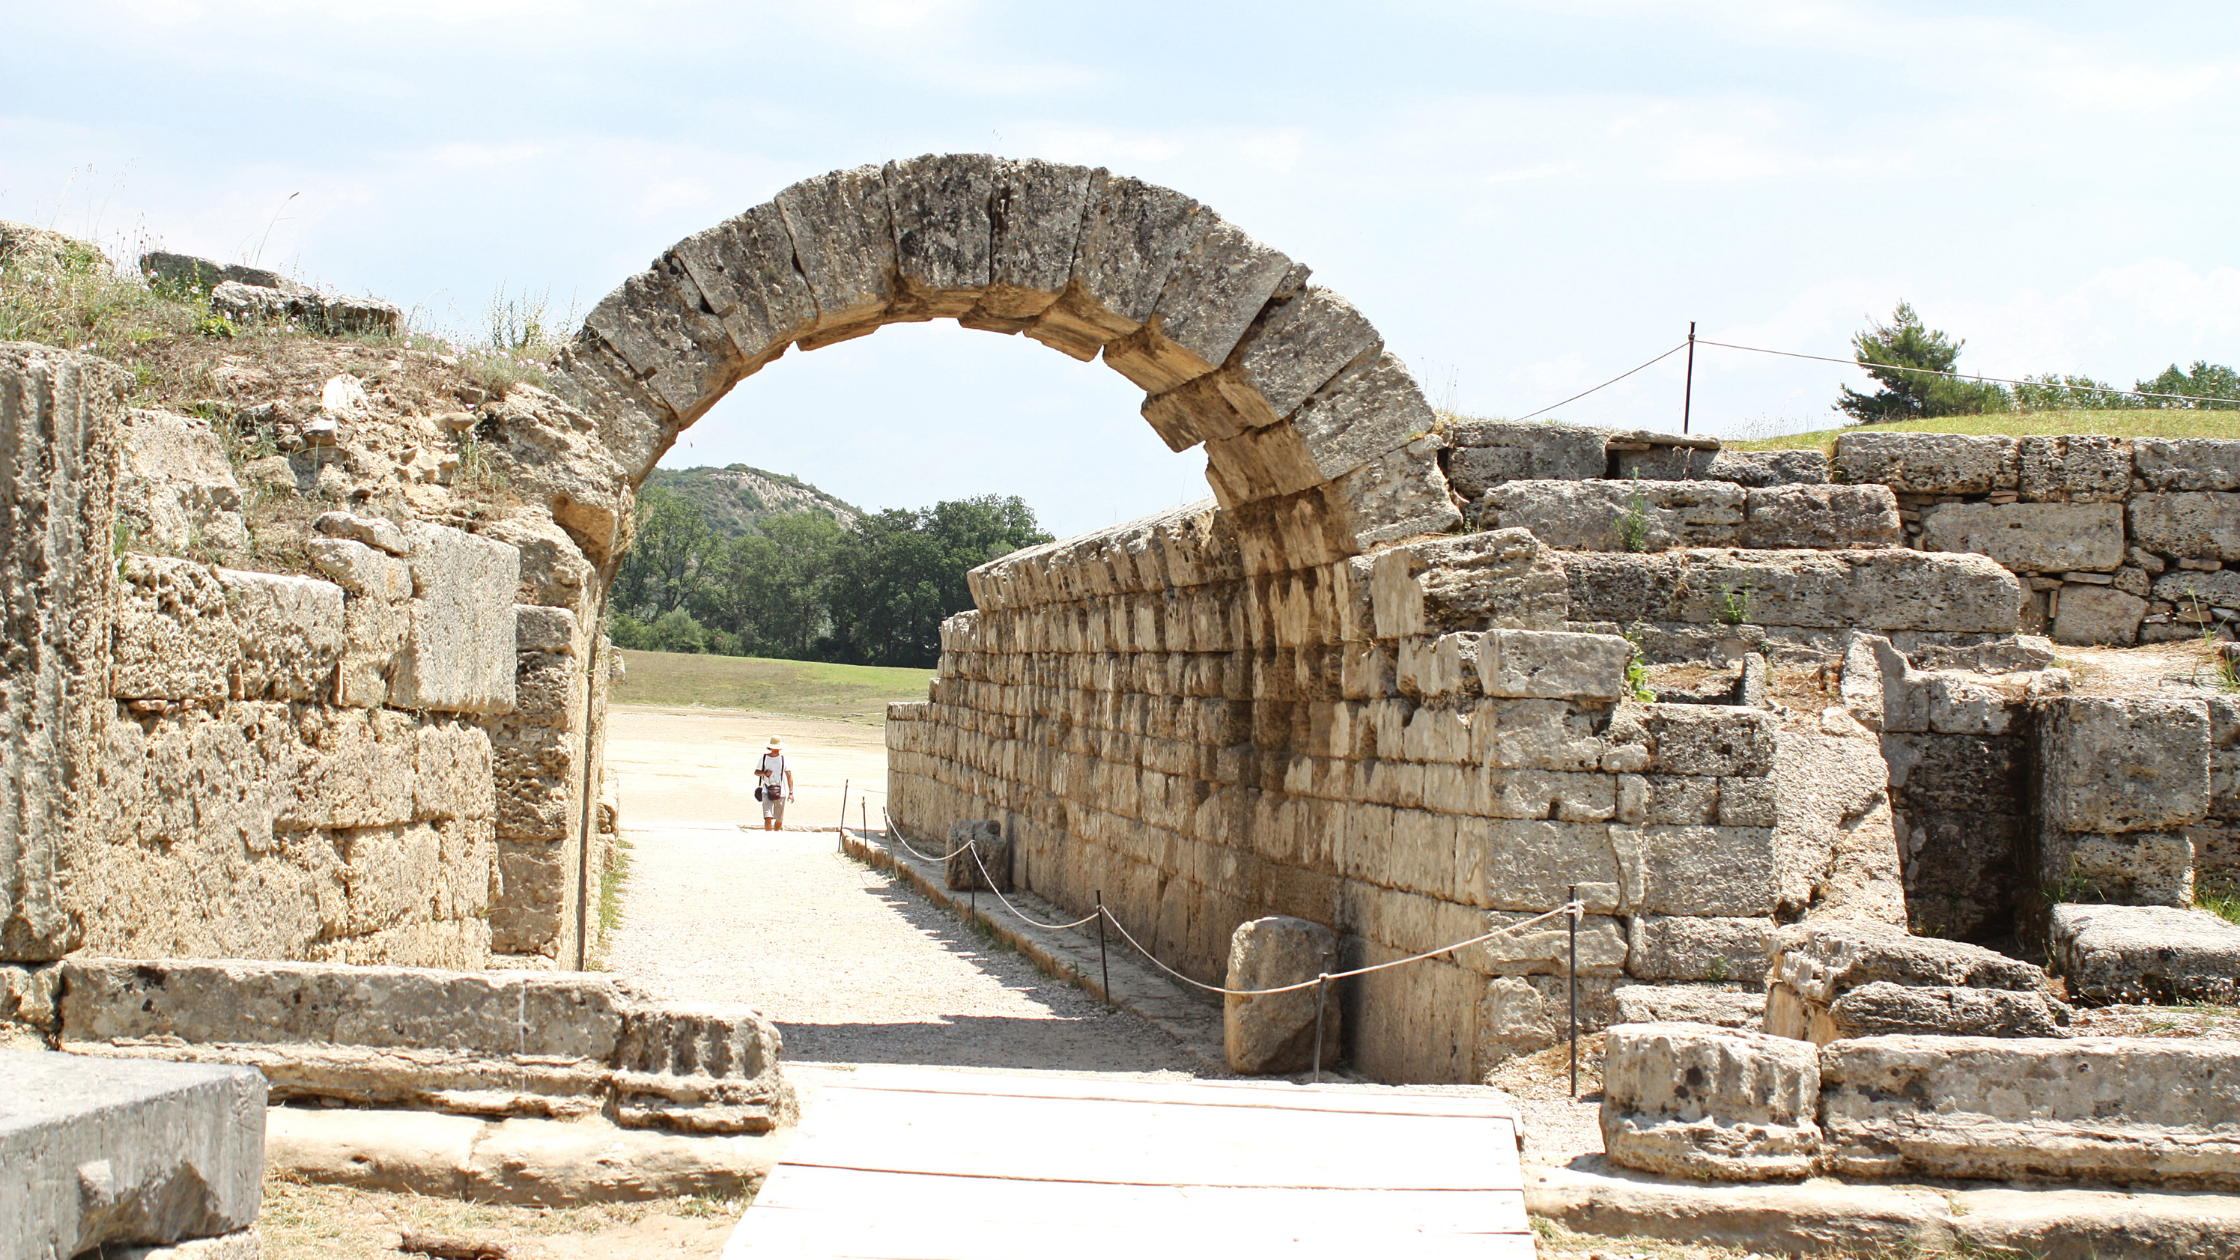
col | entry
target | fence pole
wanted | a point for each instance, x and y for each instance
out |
(845, 784)
(1321, 999)
(1571, 981)
(1103, 966)
(1688, 394)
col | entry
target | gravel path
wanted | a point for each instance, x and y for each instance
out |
(854, 968)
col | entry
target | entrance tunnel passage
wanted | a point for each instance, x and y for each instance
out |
(852, 966)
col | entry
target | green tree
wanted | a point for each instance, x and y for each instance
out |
(670, 544)
(2214, 385)
(904, 572)
(768, 588)
(1906, 359)
(2055, 391)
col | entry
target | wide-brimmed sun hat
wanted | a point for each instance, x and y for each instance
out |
(775, 742)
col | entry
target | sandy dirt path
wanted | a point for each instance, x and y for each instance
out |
(854, 968)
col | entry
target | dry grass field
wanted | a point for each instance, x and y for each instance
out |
(851, 693)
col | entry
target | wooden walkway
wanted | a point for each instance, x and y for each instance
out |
(897, 1162)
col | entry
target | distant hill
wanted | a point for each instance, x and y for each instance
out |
(733, 498)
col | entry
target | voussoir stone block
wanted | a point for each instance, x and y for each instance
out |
(1035, 210)
(2030, 537)
(842, 227)
(978, 856)
(2144, 954)
(745, 268)
(100, 1155)
(1132, 234)
(1686, 1100)
(1275, 1032)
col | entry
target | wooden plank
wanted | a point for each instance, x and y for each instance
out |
(826, 1212)
(1281, 1094)
(1062, 1139)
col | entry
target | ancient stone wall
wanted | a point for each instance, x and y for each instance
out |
(1409, 748)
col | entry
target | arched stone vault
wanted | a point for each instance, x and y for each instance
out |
(1312, 429)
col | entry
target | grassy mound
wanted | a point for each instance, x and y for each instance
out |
(2173, 423)
(855, 693)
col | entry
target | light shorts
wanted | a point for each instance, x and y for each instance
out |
(774, 807)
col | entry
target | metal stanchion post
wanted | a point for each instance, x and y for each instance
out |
(1571, 981)
(1321, 1000)
(845, 784)
(1103, 965)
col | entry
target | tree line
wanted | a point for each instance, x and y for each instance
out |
(1905, 358)
(802, 586)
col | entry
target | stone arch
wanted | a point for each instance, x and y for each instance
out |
(1312, 429)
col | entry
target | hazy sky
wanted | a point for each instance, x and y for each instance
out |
(1525, 198)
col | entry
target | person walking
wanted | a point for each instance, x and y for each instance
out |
(773, 784)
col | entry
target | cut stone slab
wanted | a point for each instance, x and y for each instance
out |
(460, 656)
(96, 1153)
(1770, 468)
(528, 1162)
(1684, 1100)
(1485, 453)
(1276, 1032)
(2098, 614)
(2203, 526)
(1883, 1008)
(2123, 763)
(2030, 537)
(1928, 463)
(2145, 954)
(2137, 1110)
(1721, 1006)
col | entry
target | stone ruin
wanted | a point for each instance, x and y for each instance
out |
(1391, 680)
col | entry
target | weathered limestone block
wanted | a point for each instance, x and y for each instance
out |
(744, 267)
(2201, 525)
(1292, 353)
(2123, 763)
(658, 325)
(1656, 456)
(2191, 588)
(372, 531)
(1928, 463)
(979, 856)
(1769, 468)
(1687, 947)
(1718, 1104)
(1035, 213)
(1486, 453)
(941, 205)
(2141, 868)
(1131, 233)
(1719, 1005)
(97, 1156)
(2098, 614)
(1510, 1019)
(1700, 739)
(2030, 537)
(701, 1068)
(27, 1014)
(535, 880)
(480, 1043)
(1900, 589)
(2144, 954)
(538, 629)
(1818, 963)
(1499, 580)
(2188, 463)
(460, 657)
(1882, 1007)
(1372, 405)
(376, 616)
(1835, 835)
(1551, 664)
(1783, 516)
(2077, 468)
(1544, 949)
(1216, 290)
(1618, 515)
(176, 489)
(290, 633)
(2137, 1110)
(1890, 588)
(173, 637)
(1400, 494)
(1275, 1033)
(843, 239)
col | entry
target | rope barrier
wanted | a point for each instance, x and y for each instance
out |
(1606, 384)
(1572, 909)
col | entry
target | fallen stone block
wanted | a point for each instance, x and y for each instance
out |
(1684, 1100)
(978, 856)
(99, 1154)
(1275, 1033)
(2131, 1110)
(2144, 954)
(1818, 963)
(700, 1068)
